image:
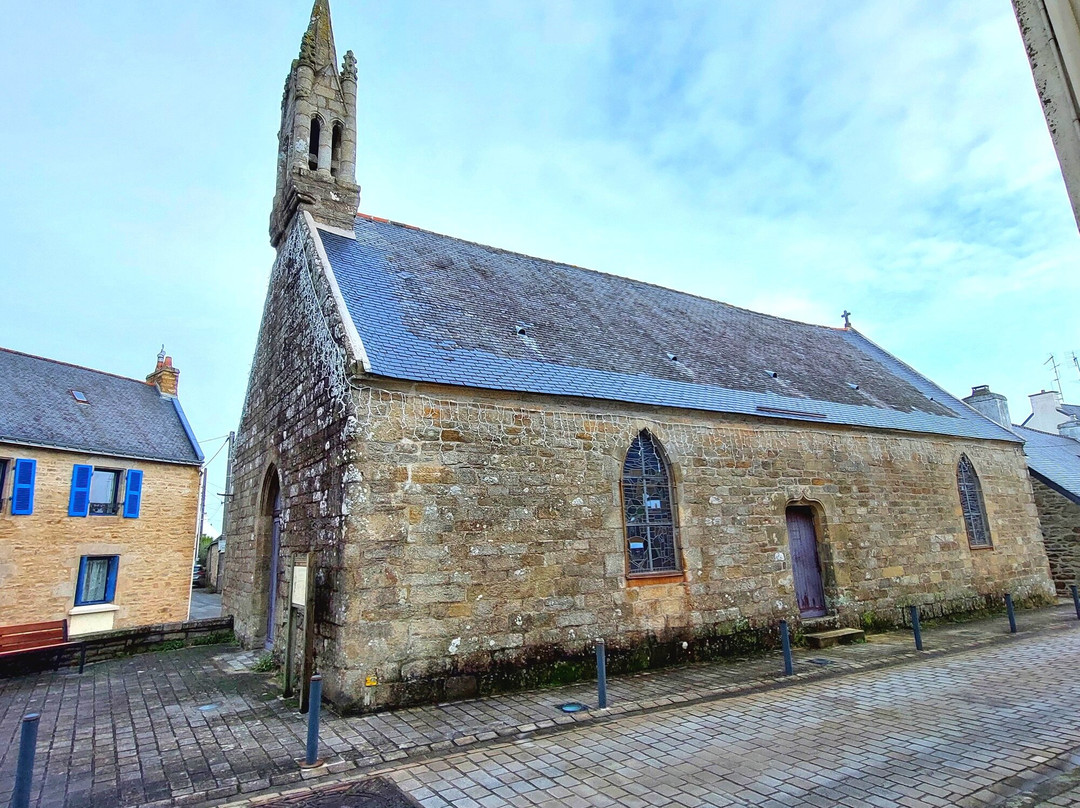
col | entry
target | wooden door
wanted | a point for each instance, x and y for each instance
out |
(804, 562)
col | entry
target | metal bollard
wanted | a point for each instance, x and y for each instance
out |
(1012, 613)
(24, 769)
(314, 707)
(1076, 600)
(915, 627)
(785, 642)
(601, 674)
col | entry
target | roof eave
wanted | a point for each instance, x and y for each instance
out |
(357, 353)
(188, 431)
(782, 416)
(99, 452)
(1065, 492)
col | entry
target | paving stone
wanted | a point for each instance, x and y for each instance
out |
(132, 728)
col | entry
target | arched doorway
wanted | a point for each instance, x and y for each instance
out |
(272, 543)
(805, 562)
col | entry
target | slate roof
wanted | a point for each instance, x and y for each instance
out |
(1054, 459)
(123, 417)
(1072, 410)
(433, 308)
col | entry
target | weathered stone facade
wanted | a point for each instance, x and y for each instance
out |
(1060, 519)
(40, 552)
(294, 430)
(459, 531)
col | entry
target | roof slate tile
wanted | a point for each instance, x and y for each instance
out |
(433, 308)
(122, 417)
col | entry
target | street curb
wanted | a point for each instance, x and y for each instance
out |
(343, 771)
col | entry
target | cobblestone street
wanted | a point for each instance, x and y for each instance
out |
(966, 730)
(198, 726)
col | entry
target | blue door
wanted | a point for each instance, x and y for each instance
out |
(275, 550)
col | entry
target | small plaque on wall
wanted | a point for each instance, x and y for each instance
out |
(299, 586)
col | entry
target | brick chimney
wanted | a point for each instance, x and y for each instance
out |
(165, 376)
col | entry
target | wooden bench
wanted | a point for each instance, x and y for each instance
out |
(40, 638)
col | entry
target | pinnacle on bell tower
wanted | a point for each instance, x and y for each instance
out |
(316, 168)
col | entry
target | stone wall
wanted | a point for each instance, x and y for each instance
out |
(294, 427)
(40, 553)
(463, 540)
(1060, 519)
(485, 532)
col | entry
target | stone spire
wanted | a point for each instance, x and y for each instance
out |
(317, 140)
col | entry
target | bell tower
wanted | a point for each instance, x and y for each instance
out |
(316, 168)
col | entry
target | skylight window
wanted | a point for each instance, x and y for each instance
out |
(80, 396)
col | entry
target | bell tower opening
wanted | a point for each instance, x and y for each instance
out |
(313, 143)
(335, 150)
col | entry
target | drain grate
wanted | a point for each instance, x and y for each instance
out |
(821, 661)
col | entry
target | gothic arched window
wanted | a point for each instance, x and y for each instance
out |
(335, 149)
(313, 142)
(971, 502)
(647, 505)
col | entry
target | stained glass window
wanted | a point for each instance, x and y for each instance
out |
(971, 501)
(650, 519)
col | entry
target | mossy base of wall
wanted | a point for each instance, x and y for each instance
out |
(485, 674)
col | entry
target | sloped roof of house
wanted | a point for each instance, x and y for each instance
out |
(121, 417)
(433, 308)
(1054, 459)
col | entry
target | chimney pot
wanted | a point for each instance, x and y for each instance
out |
(165, 377)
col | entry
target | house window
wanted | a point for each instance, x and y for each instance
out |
(104, 488)
(971, 502)
(97, 580)
(96, 491)
(647, 505)
(3, 479)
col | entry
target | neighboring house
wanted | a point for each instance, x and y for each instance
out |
(99, 489)
(1051, 33)
(1053, 458)
(215, 554)
(490, 459)
(1048, 413)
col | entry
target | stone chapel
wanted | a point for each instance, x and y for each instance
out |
(457, 465)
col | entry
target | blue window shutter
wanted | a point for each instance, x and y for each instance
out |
(132, 494)
(22, 493)
(81, 582)
(79, 504)
(110, 585)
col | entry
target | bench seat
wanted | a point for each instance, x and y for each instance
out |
(33, 638)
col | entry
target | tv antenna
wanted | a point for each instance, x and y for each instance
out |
(1052, 362)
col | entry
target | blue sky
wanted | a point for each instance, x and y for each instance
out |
(797, 158)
